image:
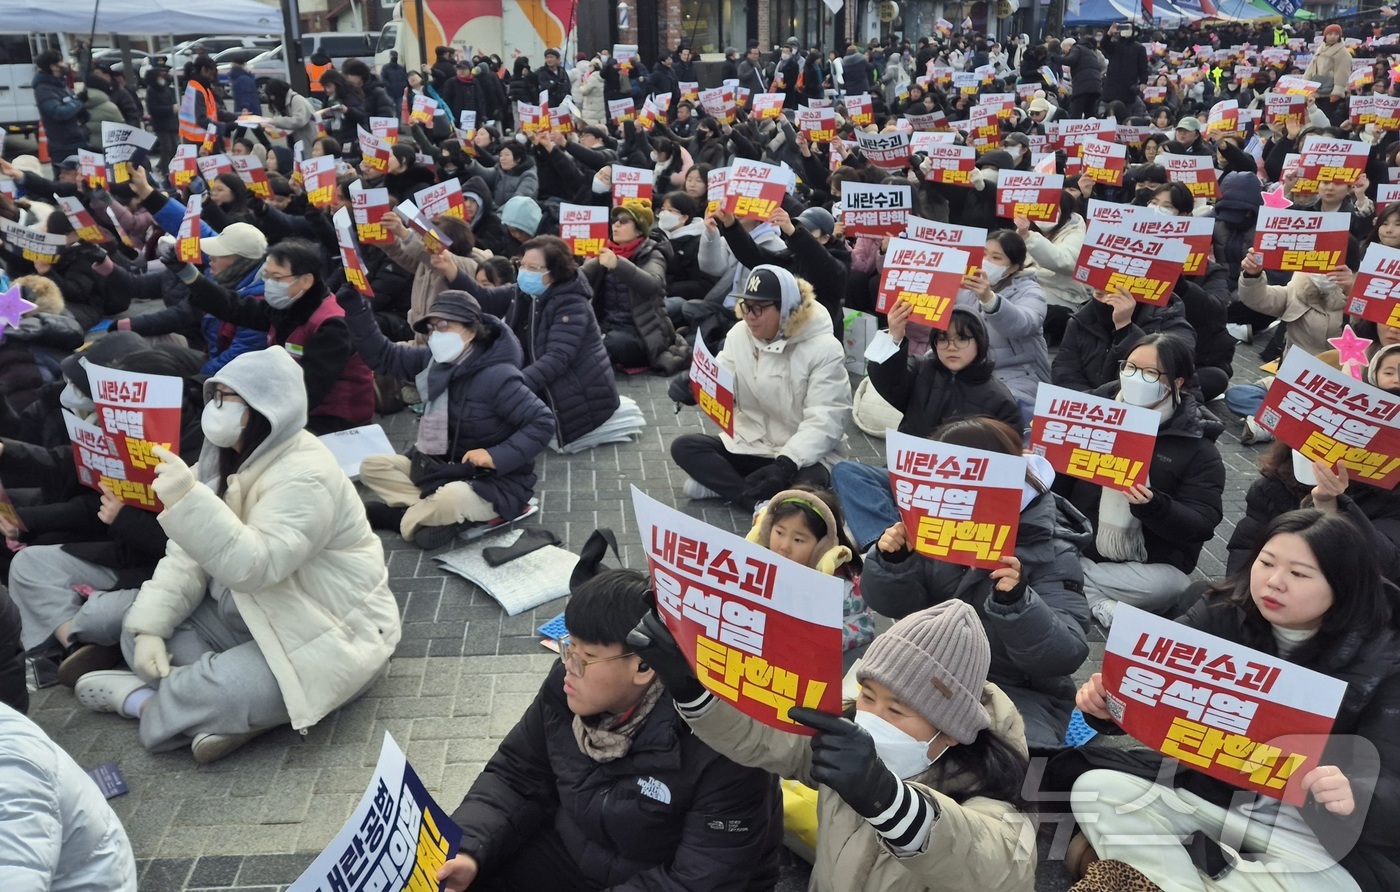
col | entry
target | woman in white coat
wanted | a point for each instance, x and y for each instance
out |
(272, 603)
(792, 397)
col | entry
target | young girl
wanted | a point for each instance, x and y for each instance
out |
(804, 525)
(1311, 595)
(918, 788)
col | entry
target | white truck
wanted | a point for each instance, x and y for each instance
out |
(18, 113)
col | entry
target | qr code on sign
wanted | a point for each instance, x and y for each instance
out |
(1357, 305)
(1115, 708)
(1039, 450)
(1269, 418)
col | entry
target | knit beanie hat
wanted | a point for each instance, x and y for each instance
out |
(1333, 28)
(1039, 103)
(522, 212)
(936, 661)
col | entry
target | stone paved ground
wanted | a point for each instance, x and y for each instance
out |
(462, 675)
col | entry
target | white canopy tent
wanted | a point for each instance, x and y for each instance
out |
(144, 16)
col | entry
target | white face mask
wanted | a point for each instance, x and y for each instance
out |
(1137, 390)
(994, 271)
(599, 186)
(668, 220)
(222, 425)
(1162, 211)
(1015, 152)
(655, 158)
(1322, 283)
(445, 345)
(73, 400)
(902, 754)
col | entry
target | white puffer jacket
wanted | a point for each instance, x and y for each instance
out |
(1055, 261)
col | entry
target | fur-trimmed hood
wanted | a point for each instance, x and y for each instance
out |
(805, 321)
(43, 292)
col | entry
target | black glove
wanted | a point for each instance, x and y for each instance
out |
(349, 299)
(168, 255)
(844, 758)
(679, 390)
(1018, 591)
(768, 482)
(448, 472)
(652, 641)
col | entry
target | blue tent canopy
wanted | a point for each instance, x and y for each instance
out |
(1112, 12)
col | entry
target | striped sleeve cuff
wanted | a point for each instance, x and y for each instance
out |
(905, 825)
(693, 709)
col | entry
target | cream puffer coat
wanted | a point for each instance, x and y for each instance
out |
(792, 396)
(982, 845)
(1334, 61)
(290, 540)
(1312, 313)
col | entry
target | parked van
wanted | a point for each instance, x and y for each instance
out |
(341, 46)
(18, 113)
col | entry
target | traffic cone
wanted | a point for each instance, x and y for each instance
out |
(43, 146)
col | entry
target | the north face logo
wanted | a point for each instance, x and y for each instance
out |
(655, 789)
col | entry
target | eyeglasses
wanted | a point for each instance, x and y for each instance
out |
(442, 325)
(218, 397)
(754, 308)
(952, 343)
(1151, 376)
(575, 664)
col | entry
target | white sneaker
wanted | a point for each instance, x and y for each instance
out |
(1254, 433)
(1103, 612)
(1240, 332)
(208, 748)
(107, 690)
(694, 490)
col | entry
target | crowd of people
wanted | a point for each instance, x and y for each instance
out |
(258, 597)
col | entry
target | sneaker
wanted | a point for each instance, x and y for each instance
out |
(208, 748)
(1240, 332)
(107, 689)
(1254, 433)
(1103, 612)
(86, 659)
(428, 538)
(694, 490)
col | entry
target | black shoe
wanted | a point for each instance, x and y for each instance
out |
(428, 538)
(382, 517)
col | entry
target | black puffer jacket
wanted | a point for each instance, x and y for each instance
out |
(1092, 348)
(929, 395)
(670, 816)
(489, 406)
(565, 361)
(86, 294)
(1188, 483)
(1205, 299)
(1037, 641)
(1084, 68)
(487, 229)
(645, 277)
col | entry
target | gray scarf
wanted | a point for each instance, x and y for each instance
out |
(607, 738)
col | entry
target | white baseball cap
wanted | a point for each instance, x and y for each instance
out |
(243, 239)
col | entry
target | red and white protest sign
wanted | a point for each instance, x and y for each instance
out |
(817, 124)
(584, 227)
(1069, 135)
(318, 179)
(434, 239)
(1309, 241)
(182, 167)
(631, 184)
(211, 137)
(1116, 257)
(1104, 162)
(887, 151)
(951, 164)
(1294, 85)
(1195, 172)
(923, 140)
(370, 207)
(444, 198)
(94, 453)
(1280, 109)
(1376, 293)
(1092, 437)
(927, 276)
(92, 169)
(385, 128)
(1154, 95)
(187, 237)
(1197, 232)
(972, 239)
(958, 504)
(1224, 119)
(871, 209)
(1387, 111)
(690, 91)
(532, 118)
(137, 412)
(213, 166)
(622, 110)
(717, 181)
(933, 121)
(423, 110)
(1327, 160)
(251, 171)
(763, 632)
(374, 151)
(561, 120)
(860, 109)
(354, 264)
(767, 106)
(718, 103)
(1386, 194)
(712, 385)
(1253, 720)
(81, 221)
(755, 189)
(1331, 417)
(1035, 196)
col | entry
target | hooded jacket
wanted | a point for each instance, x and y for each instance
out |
(100, 107)
(31, 351)
(1056, 257)
(1187, 478)
(1127, 68)
(61, 112)
(565, 362)
(1085, 69)
(1332, 61)
(1038, 641)
(1235, 214)
(1312, 313)
(488, 404)
(792, 396)
(930, 395)
(486, 225)
(1092, 348)
(409, 253)
(974, 847)
(1015, 329)
(522, 179)
(244, 87)
(645, 278)
(641, 823)
(87, 295)
(288, 537)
